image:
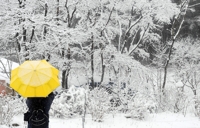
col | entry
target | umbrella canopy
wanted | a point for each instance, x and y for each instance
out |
(34, 78)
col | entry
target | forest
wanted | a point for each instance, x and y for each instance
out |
(142, 54)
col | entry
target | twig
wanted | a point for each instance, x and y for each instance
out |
(107, 21)
(139, 40)
(107, 37)
(120, 35)
(133, 25)
(129, 31)
(193, 5)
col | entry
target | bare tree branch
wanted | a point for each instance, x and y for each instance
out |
(106, 35)
(133, 25)
(193, 5)
(72, 15)
(178, 29)
(139, 40)
(3, 67)
(107, 21)
(127, 32)
(120, 35)
(180, 23)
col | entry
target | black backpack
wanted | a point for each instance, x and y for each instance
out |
(38, 118)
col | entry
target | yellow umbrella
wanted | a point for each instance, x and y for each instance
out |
(34, 78)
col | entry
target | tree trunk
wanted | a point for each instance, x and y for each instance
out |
(69, 67)
(65, 72)
(45, 15)
(196, 103)
(174, 33)
(166, 65)
(32, 34)
(24, 34)
(103, 68)
(45, 10)
(58, 9)
(92, 61)
(70, 16)
(63, 79)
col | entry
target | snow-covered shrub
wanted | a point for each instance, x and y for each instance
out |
(181, 100)
(68, 103)
(197, 107)
(98, 103)
(140, 106)
(152, 106)
(137, 112)
(186, 61)
(9, 107)
(173, 99)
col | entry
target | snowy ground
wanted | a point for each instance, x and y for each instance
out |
(161, 120)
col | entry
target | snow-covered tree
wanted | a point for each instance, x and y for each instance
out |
(88, 34)
(186, 60)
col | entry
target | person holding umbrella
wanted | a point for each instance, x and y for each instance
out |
(36, 81)
(34, 104)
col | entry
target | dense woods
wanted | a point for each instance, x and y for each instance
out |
(137, 44)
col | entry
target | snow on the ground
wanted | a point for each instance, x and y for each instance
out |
(160, 120)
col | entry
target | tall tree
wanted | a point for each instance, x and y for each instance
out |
(174, 32)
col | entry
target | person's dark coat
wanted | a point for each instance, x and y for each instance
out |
(40, 102)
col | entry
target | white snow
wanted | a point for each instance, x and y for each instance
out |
(6, 66)
(160, 120)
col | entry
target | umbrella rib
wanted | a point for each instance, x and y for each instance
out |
(38, 64)
(28, 70)
(26, 74)
(43, 73)
(30, 78)
(25, 68)
(43, 67)
(38, 78)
